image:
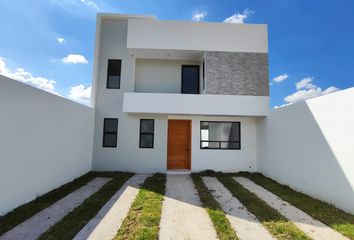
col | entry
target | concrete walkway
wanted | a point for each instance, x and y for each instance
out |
(306, 223)
(33, 227)
(182, 215)
(105, 224)
(244, 223)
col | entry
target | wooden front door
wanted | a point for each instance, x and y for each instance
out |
(179, 144)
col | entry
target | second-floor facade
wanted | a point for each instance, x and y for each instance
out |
(144, 65)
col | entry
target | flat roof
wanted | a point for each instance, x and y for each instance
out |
(117, 16)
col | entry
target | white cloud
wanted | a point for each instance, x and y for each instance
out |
(80, 94)
(283, 105)
(61, 40)
(303, 94)
(72, 5)
(306, 90)
(75, 59)
(23, 76)
(280, 78)
(330, 90)
(90, 3)
(239, 17)
(199, 15)
(305, 84)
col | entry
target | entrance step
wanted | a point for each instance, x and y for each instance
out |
(179, 171)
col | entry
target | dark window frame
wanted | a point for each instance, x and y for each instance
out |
(110, 133)
(203, 75)
(198, 82)
(147, 134)
(239, 136)
(120, 74)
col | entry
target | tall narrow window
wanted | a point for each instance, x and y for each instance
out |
(146, 139)
(113, 73)
(110, 132)
(190, 79)
(220, 135)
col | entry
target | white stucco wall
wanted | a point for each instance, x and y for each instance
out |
(228, 160)
(196, 104)
(45, 141)
(178, 35)
(129, 157)
(310, 146)
(159, 76)
(109, 104)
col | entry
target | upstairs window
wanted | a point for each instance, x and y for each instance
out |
(220, 135)
(110, 132)
(146, 139)
(113, 73)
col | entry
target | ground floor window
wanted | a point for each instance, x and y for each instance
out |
(220, 135)
(146, 139)
(110, 132)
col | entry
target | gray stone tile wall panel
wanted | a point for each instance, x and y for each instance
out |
(230, 73)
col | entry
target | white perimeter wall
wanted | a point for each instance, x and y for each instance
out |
(310, 146)
(45, 141)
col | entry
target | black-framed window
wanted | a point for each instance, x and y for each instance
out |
(220, 135)
(190, 79)
(146, 137)
(113, 73)
(110, 132)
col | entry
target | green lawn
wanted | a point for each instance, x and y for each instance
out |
(328, 214)
(26, 211)
(216, 214)
(72, 223)
(277, 225)
(143, 219)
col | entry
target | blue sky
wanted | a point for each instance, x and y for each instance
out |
(49, 43)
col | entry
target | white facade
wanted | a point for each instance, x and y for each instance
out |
(45, 141)
(195, 36)
(159, 76)
(152, 53)
(196, 104)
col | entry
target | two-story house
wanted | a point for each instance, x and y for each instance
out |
(173, 95)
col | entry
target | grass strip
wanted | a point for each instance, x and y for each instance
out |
(27, 210)
(277, 225)
(216, 214)
(328, 214)
(143, 219)
(73, 222)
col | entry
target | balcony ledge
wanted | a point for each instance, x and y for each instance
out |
(195, 104)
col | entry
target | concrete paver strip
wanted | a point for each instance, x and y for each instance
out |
(313, 228)
(33, 227)
(109, 219)
(182, 215)
(244, 223)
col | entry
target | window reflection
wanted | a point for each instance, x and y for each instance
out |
(220, 135)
